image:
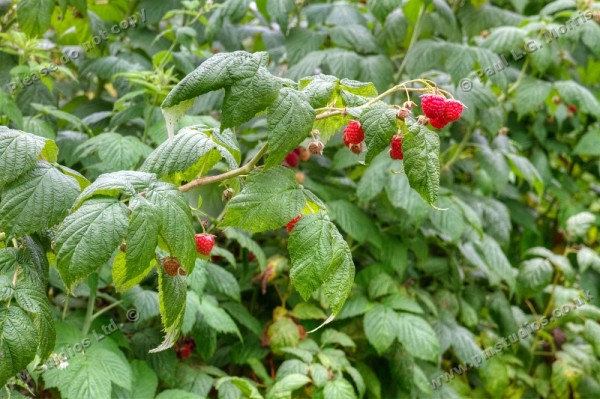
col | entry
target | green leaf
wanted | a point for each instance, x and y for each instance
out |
(381, 326)
(87, 238)
(421, 149)
(319, 89)
(177, 394)
(287, 385)
(191, 153)
(531, 94)
(217, 72)
(144, 382)
(534, 275)
(589, 143)
(523, 168)
(37, 200)
(300, 42)
(574, 93)
(216, 317)
(141, 241)
(19, 152)
(117, 183)
(247, 97)
(379, 124)
(269, 200)
(34, 16)
(280, 10)
(450, 221)
(339, 389)
(418, 337)
(18, 341)
(95, 369)
(320, 256)
(354, 37)
(377, 69)
(34, 300)
(247, 242)
(381, 8)
(176, 230)
(289, 122)
(172, 291)
(505, 39)
(116, 152)
(354, 221)
(246, 386)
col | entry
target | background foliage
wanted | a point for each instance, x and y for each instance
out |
(427, 289)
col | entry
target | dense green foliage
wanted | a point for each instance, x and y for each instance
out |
(469, 269)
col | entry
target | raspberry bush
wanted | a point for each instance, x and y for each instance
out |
(288, 199)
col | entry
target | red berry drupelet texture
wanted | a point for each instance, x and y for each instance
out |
(204, 243)
(292, 223)
(434, 105)
(438, 123)
(353, 134)
(396, 150)
(453, 110)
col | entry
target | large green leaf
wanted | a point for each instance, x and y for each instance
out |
(247, 97)
(117, 152)
(95, 369)
(321, 257)
(172, 291)
(38, 200)
(289, 120)
(270, 199)
(421, 149)
(379, 124)
(34, 300)
(191, 153)
(19, 152)
(141, 240)
(176, 230)
(381, 326)
(279, 10)
(215, 73)
(18, 341)
(87, 238)
(418, 337)
(34, 16)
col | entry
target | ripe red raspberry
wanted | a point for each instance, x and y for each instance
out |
(438, 123)
(396, 150)
(453, 110)
(204, 243)
(292, 159)
(572, 108)
(353, 134)
(292, 223)
(171, 265)
(433, 105)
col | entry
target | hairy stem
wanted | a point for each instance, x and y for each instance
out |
(242, 170)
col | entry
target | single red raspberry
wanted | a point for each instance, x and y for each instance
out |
(572, 108)
(292, 223)
(433, 105)
(204, 243)
(171, 265)
(438, 123)
(453, 110)
(292, 159)
(353, 134)
(396, 150)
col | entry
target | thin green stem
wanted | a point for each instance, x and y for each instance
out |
(106, 309)
(413, 40)
(93, 284)
(459, 149)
